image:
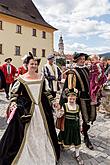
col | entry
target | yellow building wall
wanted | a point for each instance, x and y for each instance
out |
(9, 39)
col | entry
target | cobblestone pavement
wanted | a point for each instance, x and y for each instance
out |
(99, 135)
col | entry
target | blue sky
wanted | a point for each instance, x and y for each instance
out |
(84, 25)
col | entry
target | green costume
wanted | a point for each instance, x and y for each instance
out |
(71, 134)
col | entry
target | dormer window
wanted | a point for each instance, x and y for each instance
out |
(33, 16)
(4, 6)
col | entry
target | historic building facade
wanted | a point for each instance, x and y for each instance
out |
(23, 29)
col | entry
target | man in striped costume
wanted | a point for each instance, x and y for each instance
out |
(52, 74)
(78, 77)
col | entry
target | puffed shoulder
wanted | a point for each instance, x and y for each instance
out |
(15, 87)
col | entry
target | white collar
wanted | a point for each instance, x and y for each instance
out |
(80, 66)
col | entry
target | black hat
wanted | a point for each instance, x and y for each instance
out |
(35, 58)
(29, 56)
(38, 60)
(78, 55)
(8, 59)
(73, 91)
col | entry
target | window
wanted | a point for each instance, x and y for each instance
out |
(43, 52)
(17, 50)
(0, 48)
(0, 25)
(4, 6)
(34, 51)
(43, 34)
(18, 29)
(34, 32)
(32, 16)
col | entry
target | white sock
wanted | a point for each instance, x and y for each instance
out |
(77, 152)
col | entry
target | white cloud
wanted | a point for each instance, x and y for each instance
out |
(105, 35)
(87, 8)
(77, 47)
(75, 19)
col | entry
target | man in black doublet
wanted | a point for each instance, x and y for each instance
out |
(78, 77)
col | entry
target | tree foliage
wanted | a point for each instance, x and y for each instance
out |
(60, 62)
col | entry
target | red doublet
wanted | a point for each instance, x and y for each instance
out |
(9, 77)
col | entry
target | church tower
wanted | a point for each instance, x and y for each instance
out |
(61, 46)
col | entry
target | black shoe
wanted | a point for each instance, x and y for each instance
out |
(88, 143)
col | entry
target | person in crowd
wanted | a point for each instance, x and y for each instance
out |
(30, 137)
(97, 78)
(9, 71)
(78, 78)
(52, 75)
(71, 134)
(2, 79)
(88, 62)
(106, 65)
(63, 76)
(22, 69)
(105, 100)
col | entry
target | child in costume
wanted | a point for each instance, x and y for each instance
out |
(71, 133)
(97, 78)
